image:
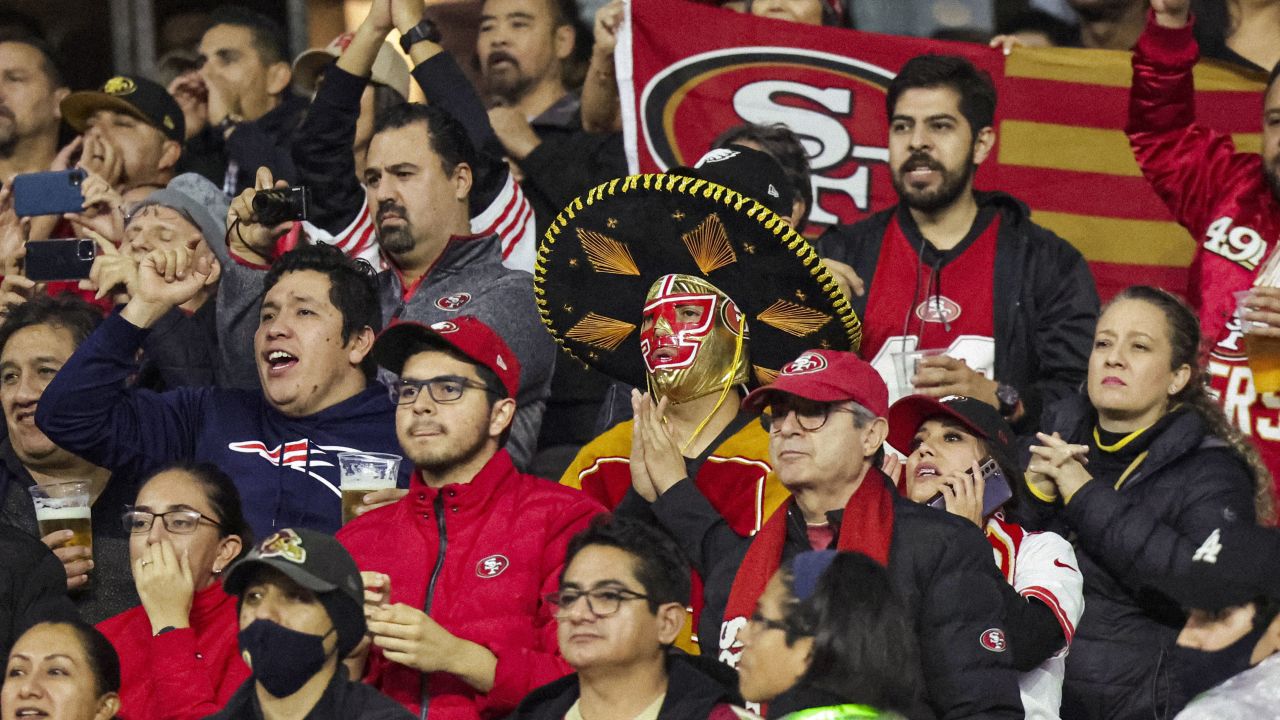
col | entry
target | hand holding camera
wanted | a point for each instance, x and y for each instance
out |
(261, 214)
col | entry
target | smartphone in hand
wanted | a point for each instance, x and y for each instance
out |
(996, 493)
(48, 193)
(68, 259)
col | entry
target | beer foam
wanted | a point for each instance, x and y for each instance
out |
(71, 513)
(368, 483)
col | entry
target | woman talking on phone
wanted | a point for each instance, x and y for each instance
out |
(1141, 469)
(961, 461)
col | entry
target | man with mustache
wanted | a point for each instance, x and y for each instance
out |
(525, 48)
(30, 89)
(964, 294)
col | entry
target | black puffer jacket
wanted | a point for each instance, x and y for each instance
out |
(1130, 540)
(1045, 301)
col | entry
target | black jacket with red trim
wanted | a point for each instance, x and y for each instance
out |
(1045, 300)
(1131, 541)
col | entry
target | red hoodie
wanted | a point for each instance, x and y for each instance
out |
(479, 558)
(182, 674)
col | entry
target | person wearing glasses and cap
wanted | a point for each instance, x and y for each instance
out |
(826, 419)
(178, 654)
(696, 298)
(456, 572)
(300, 607)
(620, 606)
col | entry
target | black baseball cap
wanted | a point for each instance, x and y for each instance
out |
(748, 171)
(908, 414)
(1233, 565)
(146, 100)
(317, 562)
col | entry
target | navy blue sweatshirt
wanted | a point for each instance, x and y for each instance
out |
(285, 468)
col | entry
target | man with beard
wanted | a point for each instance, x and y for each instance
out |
(524, 47)
(964, 295)
(419, 177)
(1228, 200)
(30, 89)
(457, 572)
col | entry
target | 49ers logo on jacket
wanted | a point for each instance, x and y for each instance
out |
(993, 640)
(817, 93)
(453, 302)
(492, 566)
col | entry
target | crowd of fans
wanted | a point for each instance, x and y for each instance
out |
(915, 469)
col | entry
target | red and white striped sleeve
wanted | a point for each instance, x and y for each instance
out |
(1047, 570)
(510, 215)
(357, 240)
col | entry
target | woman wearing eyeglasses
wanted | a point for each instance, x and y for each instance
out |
(179, 657)
(830, 639)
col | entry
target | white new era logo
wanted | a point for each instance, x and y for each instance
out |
(773, 191)
(1208, 551)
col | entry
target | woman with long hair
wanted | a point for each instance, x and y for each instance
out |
(962, 460)
(180, 656)
(829, 632)
(61, 671)
(1140, 470)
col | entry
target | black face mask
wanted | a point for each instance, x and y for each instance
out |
(1199, 670)
(283, 660)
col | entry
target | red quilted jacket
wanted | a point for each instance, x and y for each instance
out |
(478, 557)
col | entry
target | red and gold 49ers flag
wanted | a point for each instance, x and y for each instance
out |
(687, 72)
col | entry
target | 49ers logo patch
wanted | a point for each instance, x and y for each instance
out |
(938, 309)
(492, 566)
(809, 362)
(453, 302)
(993, 640)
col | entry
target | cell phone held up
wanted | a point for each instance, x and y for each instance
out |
(48, 193)
(996, 493)
(272, 207)
(68, 259)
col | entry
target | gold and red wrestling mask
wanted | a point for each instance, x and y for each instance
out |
(689, 339)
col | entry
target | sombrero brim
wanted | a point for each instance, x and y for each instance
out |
(603, 252)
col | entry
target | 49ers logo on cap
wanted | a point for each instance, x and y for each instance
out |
(993, 640)
(454, 301)
(119, 85)
(809, 362)
(492, 566)
(444, 327)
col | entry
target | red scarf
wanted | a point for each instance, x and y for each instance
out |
(867, 527)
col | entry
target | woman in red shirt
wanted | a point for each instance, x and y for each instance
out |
(179, 657)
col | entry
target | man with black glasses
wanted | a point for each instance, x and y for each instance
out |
(456, 572)
(825, 415)
(620, 607)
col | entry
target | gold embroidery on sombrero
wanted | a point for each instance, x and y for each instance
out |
(600, 331)
(606, 254)
(709, 245)
(793, 319)
(764, 375)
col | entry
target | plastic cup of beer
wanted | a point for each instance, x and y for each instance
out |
(361, 473)
(64, 506)
(1263, 352)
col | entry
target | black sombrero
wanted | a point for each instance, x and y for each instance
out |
(603, 252)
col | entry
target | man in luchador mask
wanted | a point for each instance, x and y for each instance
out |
(664, 288)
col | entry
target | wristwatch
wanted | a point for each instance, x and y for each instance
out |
(424, 30)
(1009, 399)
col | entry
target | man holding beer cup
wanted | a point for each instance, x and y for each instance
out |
(460, 567)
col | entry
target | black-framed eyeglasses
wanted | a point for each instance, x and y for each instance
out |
(179, 522)
(602, 602)
(442, 389)
(810, 415)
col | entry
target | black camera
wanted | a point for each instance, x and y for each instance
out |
(272, 207)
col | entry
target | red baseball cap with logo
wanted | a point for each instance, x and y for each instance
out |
(464, 333)
(826, 376)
